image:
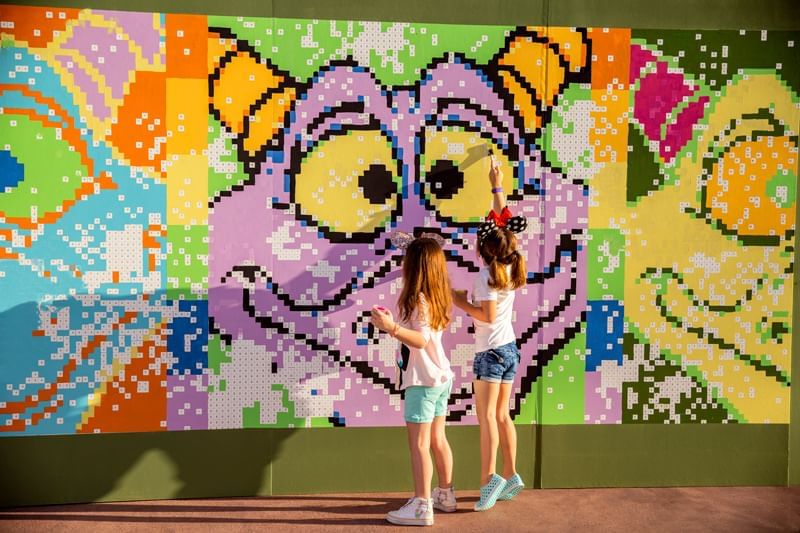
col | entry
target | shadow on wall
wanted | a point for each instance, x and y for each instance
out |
(130, 466)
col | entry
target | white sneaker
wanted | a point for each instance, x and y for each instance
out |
(444, 499)
(416, 512)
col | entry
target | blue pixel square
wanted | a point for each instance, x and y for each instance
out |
(604, 332)
(194, 359)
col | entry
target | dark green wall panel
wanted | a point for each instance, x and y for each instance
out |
(663, 455)
(672, 14)
(83, 468)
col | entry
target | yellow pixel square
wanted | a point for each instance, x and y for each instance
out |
(187, 190)
(610, 134)
(187, 115)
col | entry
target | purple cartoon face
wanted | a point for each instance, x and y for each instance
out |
(301, 253)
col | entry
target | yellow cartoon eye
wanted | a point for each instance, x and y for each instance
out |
(349, 185)
(455, 170)
(752, 190)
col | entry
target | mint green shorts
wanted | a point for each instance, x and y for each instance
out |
(422, 404)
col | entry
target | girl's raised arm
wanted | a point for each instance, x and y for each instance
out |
(496, 181)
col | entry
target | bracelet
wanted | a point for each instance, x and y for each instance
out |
(497, 189)
(395, 330)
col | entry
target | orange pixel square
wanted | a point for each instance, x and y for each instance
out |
(187, 37)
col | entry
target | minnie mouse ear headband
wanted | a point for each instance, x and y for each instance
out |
(402, 240)
(515, 224)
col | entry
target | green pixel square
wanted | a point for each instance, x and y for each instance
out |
(187, 262)
(563, 384)
(606, 272)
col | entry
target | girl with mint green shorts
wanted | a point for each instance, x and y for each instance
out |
(424, 309)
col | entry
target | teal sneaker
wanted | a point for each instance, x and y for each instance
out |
(512, 487)
(490, 492)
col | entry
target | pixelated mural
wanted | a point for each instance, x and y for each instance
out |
(194, 216)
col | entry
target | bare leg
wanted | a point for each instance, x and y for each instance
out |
(442, 454)
(419, 443)
(486, 403)
(506, 431)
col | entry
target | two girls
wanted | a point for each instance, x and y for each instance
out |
(424, 308)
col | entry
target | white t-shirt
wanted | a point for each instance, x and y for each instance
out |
(501, 331)
(428, 366)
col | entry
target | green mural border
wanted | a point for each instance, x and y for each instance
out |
(793, 460)
(667, 14)
(263, 462)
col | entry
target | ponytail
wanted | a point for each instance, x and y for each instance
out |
(499, 250)
(518, 275)
(498, 275)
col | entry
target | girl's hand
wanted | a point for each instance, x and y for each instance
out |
(495, 174)
(459, 297)
(382, 319)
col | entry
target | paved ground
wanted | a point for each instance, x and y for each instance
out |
(729, 510)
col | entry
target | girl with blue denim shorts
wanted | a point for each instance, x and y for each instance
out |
(424, 307)
(497, 355)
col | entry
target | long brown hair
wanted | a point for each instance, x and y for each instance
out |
(425, 272)
(498, 249)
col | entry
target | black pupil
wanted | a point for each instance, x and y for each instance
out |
(445, 179)
(377, 184)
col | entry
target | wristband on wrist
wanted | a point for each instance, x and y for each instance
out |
(497, 189)
(395, 329)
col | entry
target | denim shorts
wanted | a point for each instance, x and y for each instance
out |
(497, 365)
(422, 404)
